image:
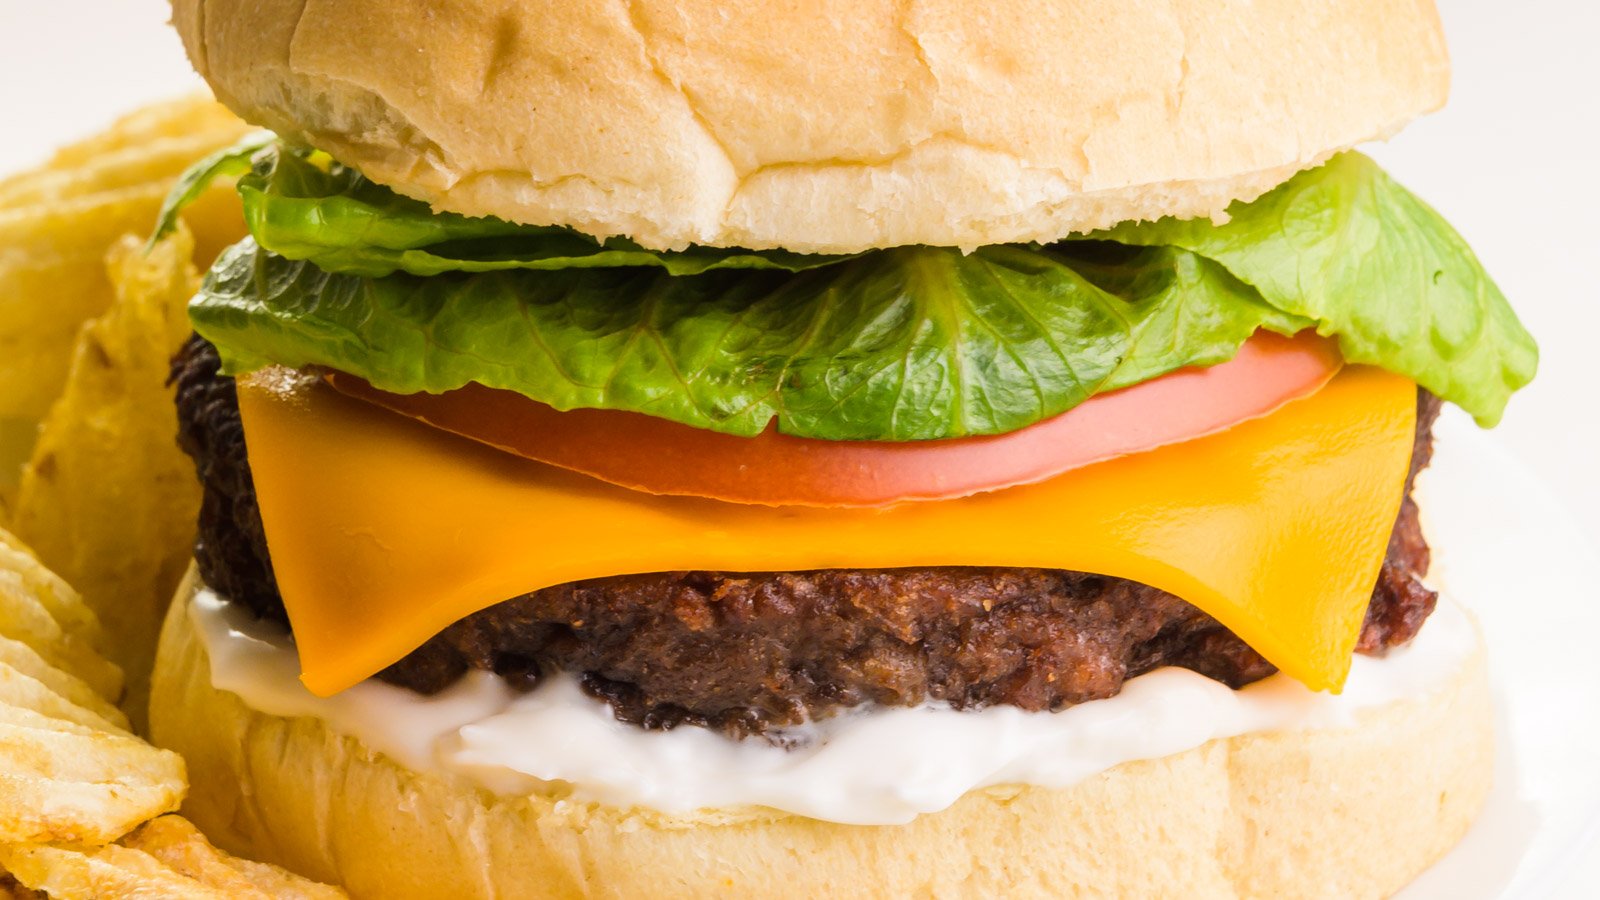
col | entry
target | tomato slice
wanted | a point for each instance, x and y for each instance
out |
(661, 457)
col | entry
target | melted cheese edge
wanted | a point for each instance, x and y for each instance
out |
(383, 531)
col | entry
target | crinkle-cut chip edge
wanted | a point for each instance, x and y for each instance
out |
(178, 116)
(106, 443)
(62, 781)
(109, 871)
(21, 690)
(26, 620)
(161, 160)
(181, 846)
(65, 605)
(165, 857)
(27, 661)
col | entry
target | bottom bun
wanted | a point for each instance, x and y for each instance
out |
(1353, 812)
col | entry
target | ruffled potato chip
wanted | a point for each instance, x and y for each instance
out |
(85, 805)
(108, 500)
(69, 768)
(73, 779)
(165, 858)
(21, 690)
(107, 443)
(190, 115)
(158, 160)
(27, 620)
(53, 279)
(65, 605)
(180, 845)
(24, 660)
(65, 781)
(56, 224)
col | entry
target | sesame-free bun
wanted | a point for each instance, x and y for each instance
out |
(1354, 812)
(828, 126)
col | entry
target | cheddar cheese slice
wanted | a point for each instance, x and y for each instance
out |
(384, 531)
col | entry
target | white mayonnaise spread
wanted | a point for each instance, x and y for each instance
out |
(872, 767)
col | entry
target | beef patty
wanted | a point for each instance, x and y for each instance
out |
(746, 652)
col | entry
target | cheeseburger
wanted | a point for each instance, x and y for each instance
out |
(827, 449)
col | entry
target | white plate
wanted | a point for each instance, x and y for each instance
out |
(1506, 549)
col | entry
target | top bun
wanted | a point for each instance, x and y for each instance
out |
(829, 125)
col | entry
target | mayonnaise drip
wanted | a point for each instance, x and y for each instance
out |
(870, 767)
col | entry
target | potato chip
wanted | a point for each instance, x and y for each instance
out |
(11, 889)
(69, 768)
(176, 842)
(16, 444)
(158, 161)
(52, 279)
(57, 597)
(65, 781)
(108, 500)
(56, 224)
(186, 115)
(21, 690)
(78, 228)
(166, 857)
(106, 872)
(24, 660)
(24, 619)
(216, 219)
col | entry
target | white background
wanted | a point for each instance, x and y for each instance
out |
(1513, 162)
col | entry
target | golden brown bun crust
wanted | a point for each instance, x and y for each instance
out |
(836, 125)
(1295, 814)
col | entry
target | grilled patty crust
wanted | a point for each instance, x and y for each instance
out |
(748, 652)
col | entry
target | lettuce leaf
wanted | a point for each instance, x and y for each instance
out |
(910, 343)
(237, 159)
(303, 206)
(1348, 247)
(907, 344)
